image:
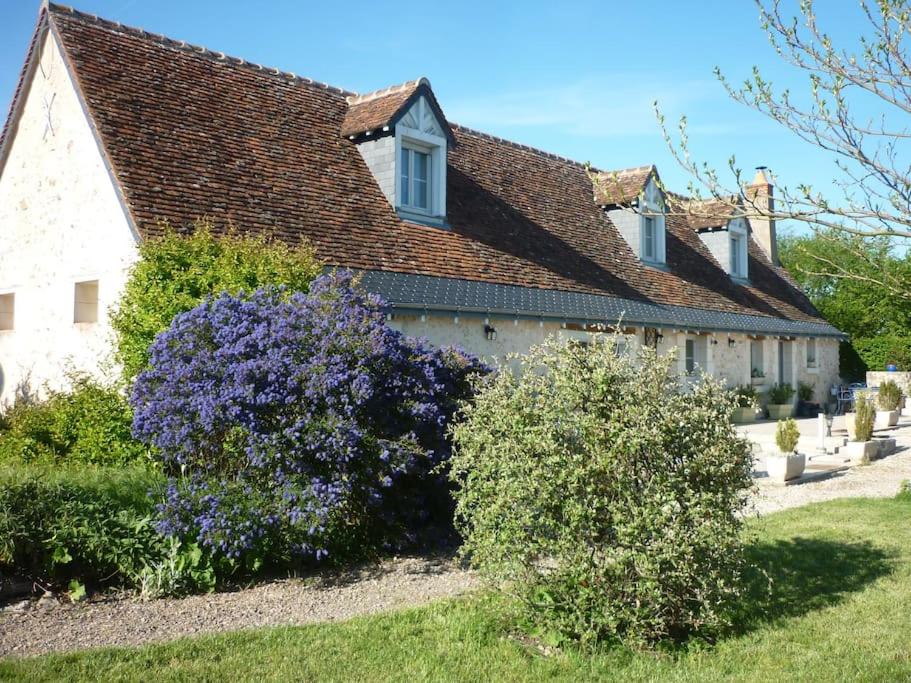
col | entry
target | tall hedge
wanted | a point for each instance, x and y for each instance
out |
(176, 272)
(604, 495)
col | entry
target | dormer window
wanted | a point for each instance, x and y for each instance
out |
(651, 212)
(737, 262)
(416, 177)
(403, 138)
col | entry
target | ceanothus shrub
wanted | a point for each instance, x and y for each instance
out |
(604, 494)
(294, 426)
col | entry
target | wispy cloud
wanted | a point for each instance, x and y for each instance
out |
(593, 107)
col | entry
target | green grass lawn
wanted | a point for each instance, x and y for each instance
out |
(840, 610)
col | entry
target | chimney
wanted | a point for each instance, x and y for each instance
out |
(759, 194)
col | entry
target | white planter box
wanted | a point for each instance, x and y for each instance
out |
(861, 451)
(782, 467)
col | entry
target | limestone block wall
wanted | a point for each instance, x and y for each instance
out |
(61, 222)
(379, 155)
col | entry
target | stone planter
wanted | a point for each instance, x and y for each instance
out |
(783, 467)
(849, 425)
(744, 415)
(884, 445)
(886, 418)
(780, 411)
(861, 452)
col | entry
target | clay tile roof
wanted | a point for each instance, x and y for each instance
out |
(619, 188)
(374, 110)
(189, 132)
(709, 214)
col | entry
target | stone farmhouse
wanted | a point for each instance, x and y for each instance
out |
(472, 239)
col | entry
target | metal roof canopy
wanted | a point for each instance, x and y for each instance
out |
(425, 293)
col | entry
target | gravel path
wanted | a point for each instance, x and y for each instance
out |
(394, 584)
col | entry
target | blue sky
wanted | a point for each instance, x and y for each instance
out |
(573, 78)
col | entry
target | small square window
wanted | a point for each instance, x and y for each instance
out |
(85, 303)
(7, 311)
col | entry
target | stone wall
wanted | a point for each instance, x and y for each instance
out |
(61, 222)
(379, 155)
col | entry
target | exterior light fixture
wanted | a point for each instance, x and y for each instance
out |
(731, 341)
(490, 332)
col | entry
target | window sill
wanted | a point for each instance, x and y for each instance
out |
(657, 265)
(422, 218)
(745, 281)
(812, 369)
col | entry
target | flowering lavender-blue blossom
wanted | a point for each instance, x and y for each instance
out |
(292, 418)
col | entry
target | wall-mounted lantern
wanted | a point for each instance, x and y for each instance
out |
(490, 332)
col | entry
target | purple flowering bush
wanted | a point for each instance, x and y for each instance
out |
(292, 427)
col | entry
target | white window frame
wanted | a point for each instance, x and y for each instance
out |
(738, 250)
(428, 143)
(651, 212)
(412, 149)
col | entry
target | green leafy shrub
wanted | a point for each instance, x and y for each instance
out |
(89, 424)
(746, 396)
(787, 434)
(880, 350)
(805, 391)
(864, 415)
(904, 492)
(889, 397)
(176, 272)
(86, 524)
(781, 394)
(603, 495)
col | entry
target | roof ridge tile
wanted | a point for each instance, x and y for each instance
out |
(388, 90)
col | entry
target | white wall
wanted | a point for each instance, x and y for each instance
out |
(60, 222)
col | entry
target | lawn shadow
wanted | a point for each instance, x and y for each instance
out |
(790, 578)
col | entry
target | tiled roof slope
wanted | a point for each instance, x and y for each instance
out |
(192, 133)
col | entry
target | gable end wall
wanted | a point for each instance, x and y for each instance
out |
(61, 222)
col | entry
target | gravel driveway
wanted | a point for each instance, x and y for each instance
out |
(394, 584)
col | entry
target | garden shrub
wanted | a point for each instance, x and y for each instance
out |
(294, 426)
(89, 423)
(889, 396)
(176, 272)
(864, 416)
(604, 494)
(787, 434)
(86, 524)
(780, 394)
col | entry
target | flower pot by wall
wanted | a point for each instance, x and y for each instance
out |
(783, 467)
(886, 418)
(744, 415)
(780, 411)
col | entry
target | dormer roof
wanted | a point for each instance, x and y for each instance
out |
(380, 110)
(622, 187)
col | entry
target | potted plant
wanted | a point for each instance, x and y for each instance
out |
(787, 464)
(757, 377)
(747, 404)
(887, 405)
(780, 405)
(861, 448)
(805, 405)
